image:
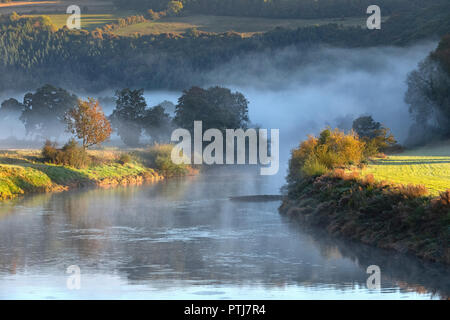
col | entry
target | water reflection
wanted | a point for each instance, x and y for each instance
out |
(183, 239)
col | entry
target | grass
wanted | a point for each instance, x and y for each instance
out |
(428, 166)
(22, 171)
(218, 24)
(89, 21)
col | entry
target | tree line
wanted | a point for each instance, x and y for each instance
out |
(33, 52)
(305, 9)
(50, 110)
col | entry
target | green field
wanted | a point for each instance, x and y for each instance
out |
(218, 24)
(88, 21)
(428, 166)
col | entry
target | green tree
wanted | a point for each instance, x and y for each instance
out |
(128, 114)
(216, 107)
(44, 111)
(374, 134)
(157, 124)
(11, 108)
(428, 95)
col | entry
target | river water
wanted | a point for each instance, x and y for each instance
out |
(185, 239)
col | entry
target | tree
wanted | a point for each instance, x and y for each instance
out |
(127, 116)
(376, 137)
(88, 122)
(216, 107)
(10, 112)
(428, 96)
(44, 111)
(174, 8)
(157, 124)
(11, 108)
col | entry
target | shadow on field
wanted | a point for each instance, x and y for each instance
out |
(402, 162)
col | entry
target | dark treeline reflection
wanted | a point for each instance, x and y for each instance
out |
(404, 271)
(189, 231)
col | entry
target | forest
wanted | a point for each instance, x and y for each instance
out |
(33, 51)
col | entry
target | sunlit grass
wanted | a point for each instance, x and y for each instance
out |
(428, 166)
(22, 171)
(88, 21)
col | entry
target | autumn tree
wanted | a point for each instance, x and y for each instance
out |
(174, 8)
(88, 123)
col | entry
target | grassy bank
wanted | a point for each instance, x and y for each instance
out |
(337, 182)
(403, 218)
(25, 171)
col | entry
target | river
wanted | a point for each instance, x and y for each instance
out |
(185, 239)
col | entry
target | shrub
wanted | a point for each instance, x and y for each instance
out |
(412, 191)
(313, 167)
(159, 158)
(332, 149)
(124, 158)
(49, 151)
(70, 155)
(444, 199)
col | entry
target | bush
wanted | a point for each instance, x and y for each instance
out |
(70, 155)
(159, 158)
(332, 149)
(124, 158)
(49, 151)
(313, 167)
(412, 191)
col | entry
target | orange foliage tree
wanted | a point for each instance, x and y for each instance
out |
(88, 123)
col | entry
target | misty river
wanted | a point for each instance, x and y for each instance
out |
(185, 239)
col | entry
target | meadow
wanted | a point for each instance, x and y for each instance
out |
(428, 166)
(177, 25)
(219, 24)
(89, 21)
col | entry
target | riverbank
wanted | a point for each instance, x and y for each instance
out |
(25, 172)
(385, 215)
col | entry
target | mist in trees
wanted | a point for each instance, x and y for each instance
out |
(216, 107)
(428, 96)
(44, 111)
(131, 118)
(127, 116)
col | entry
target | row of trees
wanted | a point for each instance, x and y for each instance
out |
(50, 110)
(307, 9)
